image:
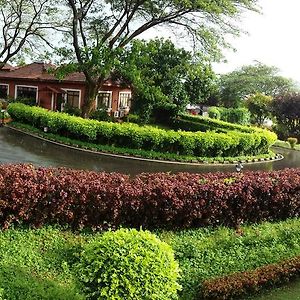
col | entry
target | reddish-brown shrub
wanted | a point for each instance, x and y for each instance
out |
(37, 196)
(237, 284)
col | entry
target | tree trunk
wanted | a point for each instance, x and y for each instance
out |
(91, 91)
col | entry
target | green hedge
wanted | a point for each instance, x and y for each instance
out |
(210, 144)
(233, 115)
(213, 124)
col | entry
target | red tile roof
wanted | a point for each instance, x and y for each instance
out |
(8, 67)
(40, 71)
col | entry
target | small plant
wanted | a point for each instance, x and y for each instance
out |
(292, 141)
(129, 264)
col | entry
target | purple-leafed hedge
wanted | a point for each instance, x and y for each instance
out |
(38, 196)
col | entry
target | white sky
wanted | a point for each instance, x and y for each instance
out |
(274, 39)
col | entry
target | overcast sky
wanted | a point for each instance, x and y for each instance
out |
(274, 39)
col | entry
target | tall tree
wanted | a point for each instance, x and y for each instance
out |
(251, 79)
(286, 109)
(157, 71)
(100, 28)
(23, 24)
(259, 106)
(200, 82)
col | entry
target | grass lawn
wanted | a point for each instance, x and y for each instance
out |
(39, 263)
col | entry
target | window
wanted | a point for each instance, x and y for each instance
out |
(73, 98)
(124, 99)
(104, 99)
(28, 92)
(3, 91)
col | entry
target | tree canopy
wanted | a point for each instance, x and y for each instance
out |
(251, 79)
(259, 106)
(286, 109)
(100, 29)
(164, 76)
(24, 26)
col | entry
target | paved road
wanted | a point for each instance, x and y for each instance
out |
(16, 147)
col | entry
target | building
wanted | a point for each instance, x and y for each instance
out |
(36, 82)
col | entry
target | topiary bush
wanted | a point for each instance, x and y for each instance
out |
(292, 141)
(129, 264)
(214, 113)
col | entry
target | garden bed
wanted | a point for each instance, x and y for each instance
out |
(138, 153)
(193, 145)
(39, 263)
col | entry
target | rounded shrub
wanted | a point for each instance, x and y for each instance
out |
(129, 264)
(214, 113)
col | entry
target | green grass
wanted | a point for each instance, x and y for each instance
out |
(35, 264)
(210, 253)
(38, 263)
(135, 152)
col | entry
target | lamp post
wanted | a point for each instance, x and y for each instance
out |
(239, 167)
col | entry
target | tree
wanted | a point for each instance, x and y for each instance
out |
(200, 83)
(251, 79)
(259, 106)
(156, 68)
(99, 29)
(24, 24)
(286, 109)
(165, 78)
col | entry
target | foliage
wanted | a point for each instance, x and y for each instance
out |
(237, 284)
(25, 26)
(214, 113)
(157, 70)
(239, 115)
(37, 264)
(147, 154)
(132, 118)
(26, 101)
(200, 82)
(129, 135)
(235, 115)
(203, 254)
(292, 141)
(38, 196)
(260, 107)
(100, 30)
(71, 110)
(214, 124)
(129, 264)
(286, 109)
(236, 86)
(206, 255)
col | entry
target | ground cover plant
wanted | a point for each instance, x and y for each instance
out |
(199, 144)
(41, 263)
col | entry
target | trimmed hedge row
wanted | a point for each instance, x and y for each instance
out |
(129, 135)
(238, 284)
(40, 196)
(211, 124)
